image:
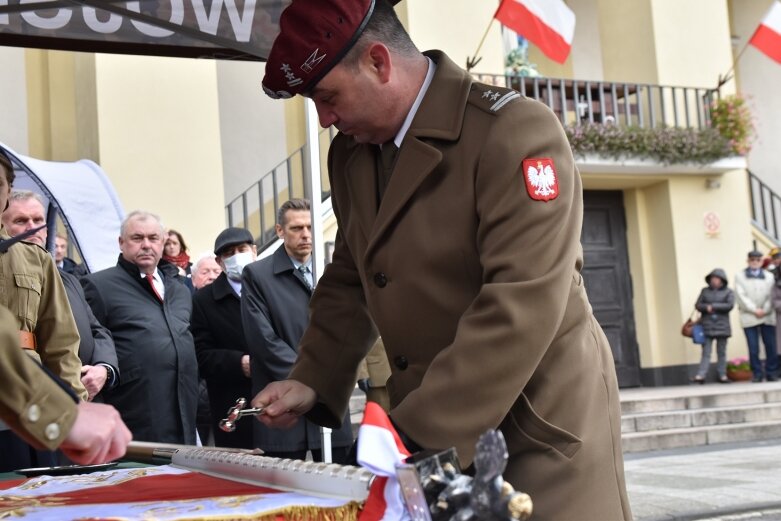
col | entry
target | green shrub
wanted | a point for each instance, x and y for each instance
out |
(666, 145)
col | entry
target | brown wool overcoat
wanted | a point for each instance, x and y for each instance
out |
(476, 290)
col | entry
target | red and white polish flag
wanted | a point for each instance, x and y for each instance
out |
(548, 24)
(767, 37)
(379, 450)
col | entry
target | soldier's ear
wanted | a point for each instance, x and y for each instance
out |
(380, 61)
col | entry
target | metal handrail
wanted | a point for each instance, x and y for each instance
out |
(257, 206)
(765, 208)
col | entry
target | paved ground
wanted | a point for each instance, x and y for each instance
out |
(731, 482)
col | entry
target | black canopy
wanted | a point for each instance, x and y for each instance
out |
(229, 29)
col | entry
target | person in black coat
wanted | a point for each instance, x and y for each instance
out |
(715, 302)
(275, 312)
(223, 355)
(148, 314)
(96, 346)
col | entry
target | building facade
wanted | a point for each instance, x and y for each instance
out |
(186, 138)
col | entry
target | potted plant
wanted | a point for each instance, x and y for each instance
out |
(739, 369)
(731, 116)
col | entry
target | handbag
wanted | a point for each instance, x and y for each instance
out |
(698, 333)
(688, 327)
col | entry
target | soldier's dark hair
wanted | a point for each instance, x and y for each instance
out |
(383, 26)
(292, 204)
(7, 167)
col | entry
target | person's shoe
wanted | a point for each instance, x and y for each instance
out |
(698, 379)
(772, 378)
(756, 379)
(724, 380)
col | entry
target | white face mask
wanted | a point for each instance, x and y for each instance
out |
(235, 265)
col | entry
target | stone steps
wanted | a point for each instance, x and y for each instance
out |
(685, 416)
(667, 418)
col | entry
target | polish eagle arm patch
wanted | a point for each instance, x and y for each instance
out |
(541, 179)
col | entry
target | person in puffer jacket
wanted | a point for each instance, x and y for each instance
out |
(715, 302)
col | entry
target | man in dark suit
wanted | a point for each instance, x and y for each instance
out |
(148, 314)
(275, 311)
(96, 347)
(223, 356)
(63, 262)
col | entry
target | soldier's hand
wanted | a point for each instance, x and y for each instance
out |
(97, 436)
(284, 402)
(94, 378)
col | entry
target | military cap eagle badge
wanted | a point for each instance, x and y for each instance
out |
(542, 181)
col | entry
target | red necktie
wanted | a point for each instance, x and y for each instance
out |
(150, 279)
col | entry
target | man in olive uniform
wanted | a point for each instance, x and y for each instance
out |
(33, 292)
(459, 210)
(47, 414)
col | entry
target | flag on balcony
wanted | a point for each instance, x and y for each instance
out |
(767, 37)
(548, 24)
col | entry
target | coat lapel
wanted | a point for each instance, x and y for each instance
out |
(436, 118)
(415, 161)
(221, 288)
(283, 265)
(361, 170)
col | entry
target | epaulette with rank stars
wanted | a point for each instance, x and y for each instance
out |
(492, 98)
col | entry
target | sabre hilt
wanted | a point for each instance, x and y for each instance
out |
(228, 424)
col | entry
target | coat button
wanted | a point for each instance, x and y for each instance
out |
(52, 431)
(380, 280)
(33, 413)
(401, 362)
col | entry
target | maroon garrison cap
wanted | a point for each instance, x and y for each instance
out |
(314, 36)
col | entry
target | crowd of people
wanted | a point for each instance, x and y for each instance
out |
(156, 336)
(757, 294)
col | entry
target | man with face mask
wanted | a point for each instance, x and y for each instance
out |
(275, 311)
(223, 356)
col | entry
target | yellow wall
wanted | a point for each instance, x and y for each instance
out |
(670, 252)
(61, 105)
(456, 27)
(159, 137)
(627, 37)
(692, 41)
(14, 124)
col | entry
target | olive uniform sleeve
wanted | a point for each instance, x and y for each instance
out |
(31, 402)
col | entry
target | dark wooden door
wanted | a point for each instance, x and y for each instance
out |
(607, 278)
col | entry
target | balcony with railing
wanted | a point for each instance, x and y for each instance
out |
(627, 104)
(575, 102)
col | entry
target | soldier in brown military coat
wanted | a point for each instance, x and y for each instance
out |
(463, 250)
(47, 414)
(31, 289)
